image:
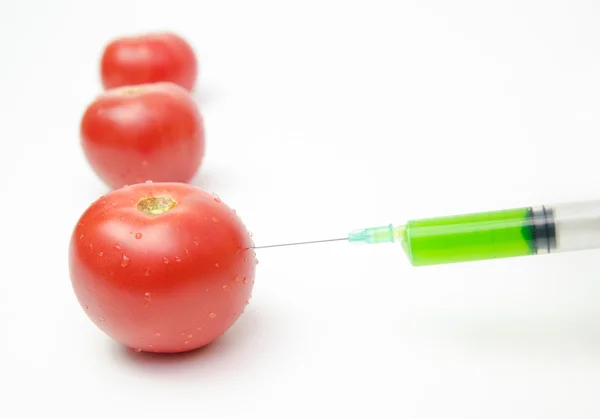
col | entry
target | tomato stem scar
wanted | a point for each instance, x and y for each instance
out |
(130, 90)
(156, 205)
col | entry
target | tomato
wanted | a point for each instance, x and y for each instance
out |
(148, 58)
(162, 267)
(146, 132)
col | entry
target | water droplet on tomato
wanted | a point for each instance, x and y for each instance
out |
(148, 296)
(236, 278)
(138, 235)
(187, 252)
(138, 349)
(212, 315)
(157, 334)
(91, 246)
(81, 237)
(124, 261)
(196, 241)
(225, 288)
(85, 306)
(102, 319)
(200, 328)
(186, 342)
(150, 346)
(166, 260)
(189, 336)
(217, 265)
(147, 272)
(117, 247)
(215, 219)
(217, 199)
(148, 181)
(256, 261)
(101, 254)
(244, 280)
(177, 259)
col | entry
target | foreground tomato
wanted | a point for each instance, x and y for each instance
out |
(162, 267)
(149, 58)
(148, 132)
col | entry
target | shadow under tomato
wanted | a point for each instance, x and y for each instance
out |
(209, 181)
(230, 349)
(154, 358)
(204, 94)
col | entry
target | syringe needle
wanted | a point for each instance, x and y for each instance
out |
(298, 243)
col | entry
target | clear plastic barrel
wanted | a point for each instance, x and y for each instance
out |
(577, 226)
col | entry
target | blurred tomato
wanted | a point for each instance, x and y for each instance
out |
(149, 58)
(146, 132)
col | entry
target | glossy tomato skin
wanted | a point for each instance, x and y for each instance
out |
(148, 132)
(166, 283)
(149, 58)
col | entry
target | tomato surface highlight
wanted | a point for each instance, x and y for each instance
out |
(162, 267)
(149, 58)
(147, 132)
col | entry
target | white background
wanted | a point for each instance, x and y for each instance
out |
(322, 116)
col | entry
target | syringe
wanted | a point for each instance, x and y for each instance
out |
(498, 234)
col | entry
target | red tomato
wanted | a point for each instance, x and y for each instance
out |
(146, 132)
(162, 267)
(149, 58)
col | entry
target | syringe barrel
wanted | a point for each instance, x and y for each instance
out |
(576, 225)
(502, 234)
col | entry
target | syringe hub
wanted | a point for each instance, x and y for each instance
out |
(384, 234)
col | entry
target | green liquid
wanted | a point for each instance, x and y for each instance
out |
(471, 237)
